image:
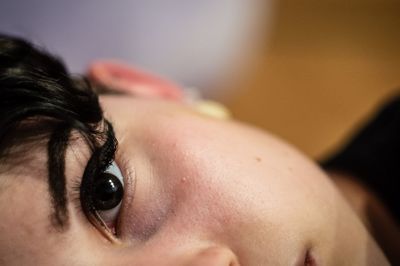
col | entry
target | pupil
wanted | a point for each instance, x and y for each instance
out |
(107, 192)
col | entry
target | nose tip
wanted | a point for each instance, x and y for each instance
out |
(214, 256)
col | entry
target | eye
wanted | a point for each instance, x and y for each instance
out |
(107, 195)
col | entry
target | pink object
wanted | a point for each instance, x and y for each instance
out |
(127, 79)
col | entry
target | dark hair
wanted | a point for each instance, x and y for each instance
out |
(40, 101)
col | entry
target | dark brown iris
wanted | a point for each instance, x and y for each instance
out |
(107, 192)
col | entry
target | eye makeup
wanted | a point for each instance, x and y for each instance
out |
(102, 157)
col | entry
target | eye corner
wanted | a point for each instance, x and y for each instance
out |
(105, 231)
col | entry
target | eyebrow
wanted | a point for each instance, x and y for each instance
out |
(56, 151)
(57, 147)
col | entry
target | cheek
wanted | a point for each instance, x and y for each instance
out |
(254, 195)
(179, 181)
(199, 178)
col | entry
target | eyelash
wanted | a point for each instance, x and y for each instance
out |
(92, 215)
(101, 158)
(76, 194)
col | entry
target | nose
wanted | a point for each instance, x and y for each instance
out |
(214, 256)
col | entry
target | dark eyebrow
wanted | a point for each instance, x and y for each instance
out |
(41, 104)
(58, 143)
(56, 151)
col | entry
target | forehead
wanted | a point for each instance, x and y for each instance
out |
(27, 233)
(25, 208)
(25, 167)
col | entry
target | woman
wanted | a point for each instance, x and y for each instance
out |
(180, 188)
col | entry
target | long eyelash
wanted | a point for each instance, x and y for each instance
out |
(108, 150)
(101, 158)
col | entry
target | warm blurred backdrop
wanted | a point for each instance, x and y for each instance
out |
(308, 70)
(324, 68)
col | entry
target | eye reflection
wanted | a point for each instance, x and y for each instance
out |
(108, 192)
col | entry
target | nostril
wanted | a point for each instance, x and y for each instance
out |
(309, 259)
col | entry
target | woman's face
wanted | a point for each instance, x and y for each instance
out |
(197, 191)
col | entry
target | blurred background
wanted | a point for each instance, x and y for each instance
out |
(310, 71)
(189, 41)
(325, 68)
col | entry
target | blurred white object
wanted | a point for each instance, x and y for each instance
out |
(189, 41)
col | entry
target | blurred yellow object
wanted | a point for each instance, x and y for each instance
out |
(212, 108)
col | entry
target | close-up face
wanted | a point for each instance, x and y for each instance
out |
(196, 191)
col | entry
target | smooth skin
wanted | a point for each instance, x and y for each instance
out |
(198, 191)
